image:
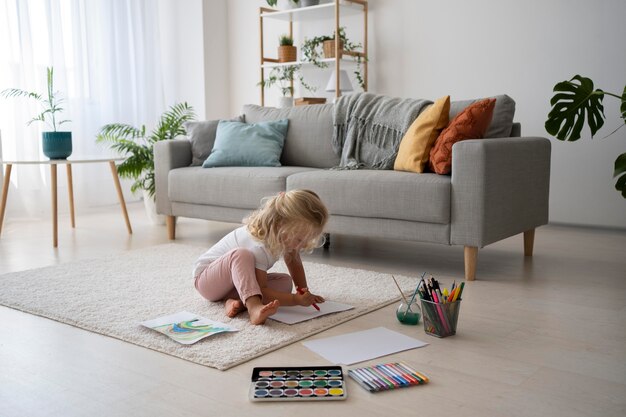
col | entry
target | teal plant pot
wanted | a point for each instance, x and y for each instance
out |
(57, 145)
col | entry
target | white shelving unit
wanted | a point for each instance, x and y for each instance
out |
(322, 12)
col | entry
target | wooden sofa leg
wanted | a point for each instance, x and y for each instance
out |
(529, 241)
(471, 255)
(170, 222)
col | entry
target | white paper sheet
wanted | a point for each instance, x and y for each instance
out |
(296, 314)
(351, 348)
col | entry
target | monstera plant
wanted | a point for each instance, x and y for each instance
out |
(575, 103)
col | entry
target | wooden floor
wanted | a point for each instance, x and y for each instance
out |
(544, 336)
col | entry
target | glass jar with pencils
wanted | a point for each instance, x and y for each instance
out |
(440, 306)
(440, 318)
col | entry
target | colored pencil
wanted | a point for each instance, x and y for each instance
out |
(301, 291)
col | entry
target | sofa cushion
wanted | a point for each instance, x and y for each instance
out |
(380, 194)
(202, 137)
(248, 144)
(415, 146)
(238, 187)
(503, 113)
(308, 141)
(471, 123)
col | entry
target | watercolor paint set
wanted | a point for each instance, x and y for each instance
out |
(307, 383)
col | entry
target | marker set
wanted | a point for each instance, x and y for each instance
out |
(387, 376)
(297, 384)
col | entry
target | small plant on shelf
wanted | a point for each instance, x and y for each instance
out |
(313, 50)
(282, 76)
(286, 51)
(285, 40)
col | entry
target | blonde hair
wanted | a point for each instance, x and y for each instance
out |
(296, 213)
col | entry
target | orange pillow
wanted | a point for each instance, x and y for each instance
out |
(471, 123)
(419, 138)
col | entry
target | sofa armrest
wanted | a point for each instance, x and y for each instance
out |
(500, 187)
(168, 155)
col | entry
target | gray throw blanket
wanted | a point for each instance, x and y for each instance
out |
(368, 129)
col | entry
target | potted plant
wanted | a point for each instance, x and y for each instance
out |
(56, 144)
(137, 146)
(313, 48)
(283, 76)
(575, 103)
(286, 51)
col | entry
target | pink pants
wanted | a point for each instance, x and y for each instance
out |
(232, 276)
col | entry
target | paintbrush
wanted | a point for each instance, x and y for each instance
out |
(399, 289)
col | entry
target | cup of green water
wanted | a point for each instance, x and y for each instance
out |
(409, 313)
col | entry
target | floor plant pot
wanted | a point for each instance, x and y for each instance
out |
(150, 206)
(57, 145)
(307, 3)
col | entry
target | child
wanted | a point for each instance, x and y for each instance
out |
(235, 268)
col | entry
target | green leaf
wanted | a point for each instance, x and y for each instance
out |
(171, 123)
(16, 92)
(138, 149)
(50, 104)
(575, 103)
(119, 131)
(622, 108)
(620, 171)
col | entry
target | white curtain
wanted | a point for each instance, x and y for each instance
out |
(106, 60)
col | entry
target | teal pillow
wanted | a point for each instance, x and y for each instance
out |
(248, 144)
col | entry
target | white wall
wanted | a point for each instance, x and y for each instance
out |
(487, 47)
(194, 55)
(522, 48)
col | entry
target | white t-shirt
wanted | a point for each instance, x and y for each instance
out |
(238, 238)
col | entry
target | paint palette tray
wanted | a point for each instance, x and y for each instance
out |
(306, 383)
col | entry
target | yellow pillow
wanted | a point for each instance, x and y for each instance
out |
(421, 135)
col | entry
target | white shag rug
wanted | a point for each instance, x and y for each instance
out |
(112, 295)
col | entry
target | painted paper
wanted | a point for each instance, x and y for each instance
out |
(187, 328)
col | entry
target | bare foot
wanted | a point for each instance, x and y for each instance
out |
(234, 307)
(260, 313)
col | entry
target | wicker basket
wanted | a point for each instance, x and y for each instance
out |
(287, 53)
(329, 49)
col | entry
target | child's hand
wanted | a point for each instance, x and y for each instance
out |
(318, 299)
(304, 298)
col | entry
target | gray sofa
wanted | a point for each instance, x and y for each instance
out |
(498, 187)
